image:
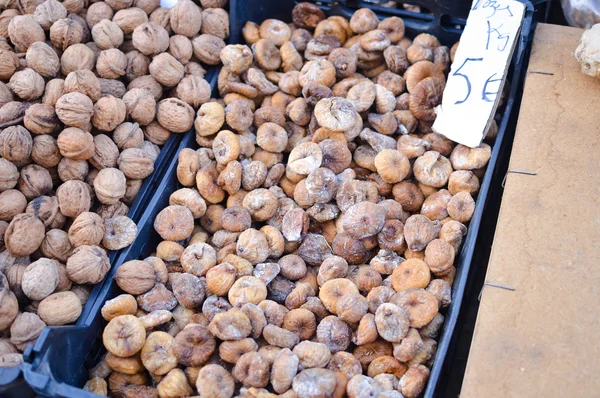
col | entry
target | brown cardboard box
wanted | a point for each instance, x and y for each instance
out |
(543, 338)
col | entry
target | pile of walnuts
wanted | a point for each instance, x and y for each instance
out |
(310, 251)
(88, 94)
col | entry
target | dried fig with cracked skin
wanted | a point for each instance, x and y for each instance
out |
(214, 381)
(453, 232)
(307, 15)
(124, 336)
(465, 158)
(419, 231)
(362, 95)
(251, 370)
(318, 71)
(174, 223)
(174, 384)
(123, 304)
(158, 298)
(247, 289)
(363, 219)
(313, 383)
(432, 169)
(425, 96)
(414, 381)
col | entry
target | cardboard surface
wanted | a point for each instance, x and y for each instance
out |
(543, 338)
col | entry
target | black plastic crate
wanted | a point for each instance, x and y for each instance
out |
(58, 364)
(446, 22)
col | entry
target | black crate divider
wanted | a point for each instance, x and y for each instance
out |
(58, 364)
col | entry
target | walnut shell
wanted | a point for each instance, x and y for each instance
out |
(87, 229)
(112, 87)
(75, 109)
(88, 264)
(60, 308)
(24, 30)
(56, 245)
(136, 163)
(66, 32)
(26, 328)
(111, 64)
(109, 112)
(34, 181)
(9, 174)
(77, 57)
(129, 19)
(24, 235)
(54, 90)
(96, 12)
(84, 82)
(9, 63)
(27, 84)
(141, 106)
(181, 48)
(40, 279)
(186, 18)
(128, 135)
(75, 143)
(156, 133)
(45, 151)
(175, 115)
(150, 38)
(194, 90)
(148, 83)
(110, 185)
(107, 34)
(166, 69)
(215, 21)
(41, 119)
(49, 12)
(137, 64)
(73, 198)
(42, 58)
(16, 144)
(106, 152)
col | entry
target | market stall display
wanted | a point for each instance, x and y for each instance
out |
(251, 165)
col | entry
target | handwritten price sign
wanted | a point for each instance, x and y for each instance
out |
(479, 70)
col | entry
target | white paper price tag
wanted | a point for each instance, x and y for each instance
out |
(479, 70)
(167, 3)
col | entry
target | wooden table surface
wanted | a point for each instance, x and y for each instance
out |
(543, 338)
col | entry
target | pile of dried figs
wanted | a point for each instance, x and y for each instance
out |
(310, 250)
(88, 95)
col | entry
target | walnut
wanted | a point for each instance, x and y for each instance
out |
(215, 21)
(9, 62)
(77, 57)
(75, 144)
(109, 112)
(54, 90)
(84, 82)
(106, 152)
(42, 58)
(140, 105)
(186, 18)
(16, 144)
(194, 90)
(27, 84)
(175, 115)
(111, 64)
(9, 174)
(60, 308)
(75, 109)
(24, 235)
(65, 32)
(135, 163)
(34, 181)
(25, 329)
(166, 69)
(112, 87)
(150, 38)
(96, 12)
(40, 279)
(73, 198)
(110, 186)
(129, 19)
(107, 34)
(148, 83)
(24, 30)
(41, 119)
(88, 264)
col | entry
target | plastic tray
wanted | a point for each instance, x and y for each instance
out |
(58, 364)
(446, 21)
